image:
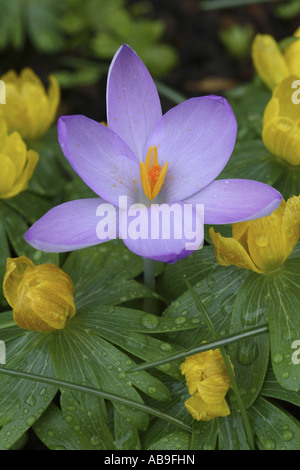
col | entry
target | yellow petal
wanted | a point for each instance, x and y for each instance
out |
(53, 98)
(41, 296)
(29, 109)
(291, 224)
(7, 175)
(281, 124)
(15, 271)
(265, 242)
(229, 251)
(202, 411)
(282, 138)
(268, 60)
(16, 150)
(46, 299)
(22, 182)
(3, 132)
(292, 55)
(213, 390)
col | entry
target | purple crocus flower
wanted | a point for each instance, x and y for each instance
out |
(151, 159)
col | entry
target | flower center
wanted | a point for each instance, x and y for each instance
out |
(152, 174)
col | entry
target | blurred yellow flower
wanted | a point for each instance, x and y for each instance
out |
(261, 245)
(208, 382)
(271, 64)
(41, 296)
(281, 123)
(29, 109)
(16, 163)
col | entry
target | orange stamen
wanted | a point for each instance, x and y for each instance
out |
(152, 174)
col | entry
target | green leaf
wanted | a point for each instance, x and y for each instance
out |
(171, 282)
(16, 227)
(86, 416)
(251, 356)
(11, 25)
(204, 435)
(81, 356)
(48, 178)
(159, 430)
(232, 434)
(177, 440)
(103, 274)
(284, 322)
(217, 292)
(271, 388)
(44, 28)
(289, 182)
(29, 205)
(274, 428)
(54, 431)
(248, 102)
(251, 160)
(23, 401)
(126, 435)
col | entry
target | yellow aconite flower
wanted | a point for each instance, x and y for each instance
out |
(264, 244)
(208, 382)
(271, 64)
(41, 296)
(29, 108)
(16, 163)
(281, 123)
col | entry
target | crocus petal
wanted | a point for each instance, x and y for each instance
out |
(133, 105)
(166, 232)
(231, 201)
(196, 138)
(71, 226)
(102, 160)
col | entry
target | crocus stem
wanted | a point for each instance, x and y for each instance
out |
(202, 310)
(149, 273)
(149, 281)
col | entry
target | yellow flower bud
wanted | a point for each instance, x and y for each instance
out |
(281, 123)
(29, 109)
(41, 296)
(208, 381)
(271, 64)
(261, 245)
(16, 163)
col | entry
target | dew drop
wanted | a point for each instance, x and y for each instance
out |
(151, 389)
(95, 441)
(287, 435)
(261, 240)
(165, 347)
(180, 320)
(277, 358)
(149, 321)
(165, 367)
(247, 352)
(269, 444)
(30, 421)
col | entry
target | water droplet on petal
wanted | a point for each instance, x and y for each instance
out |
(261, 240)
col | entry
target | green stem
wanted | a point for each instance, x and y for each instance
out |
(149, 281)
(255, 331)
(99, 393)
(215, 335)
(149, 273)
